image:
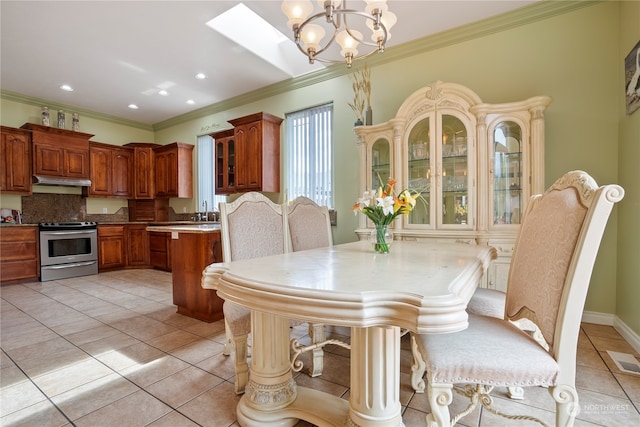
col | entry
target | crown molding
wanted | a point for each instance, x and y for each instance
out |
(534, 12)
(53, 106)
(540, 10)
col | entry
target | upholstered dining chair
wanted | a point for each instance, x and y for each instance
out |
(251, 226)
(309, 228)
(547, 286)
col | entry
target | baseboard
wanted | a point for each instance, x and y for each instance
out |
(612, 320)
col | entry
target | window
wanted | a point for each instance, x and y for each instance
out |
(206, 173)
(309, 154)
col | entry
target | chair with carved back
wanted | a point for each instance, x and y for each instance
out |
(309, 228)
(251, 226)
(548, 280)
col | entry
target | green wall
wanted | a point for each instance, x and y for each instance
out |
(628, 285)
(571, 51)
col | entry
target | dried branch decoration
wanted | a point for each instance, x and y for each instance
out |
(361, 91)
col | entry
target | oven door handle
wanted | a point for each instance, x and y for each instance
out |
(66, 233)
(70, 265)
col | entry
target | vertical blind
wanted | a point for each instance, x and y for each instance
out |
(309, 154)
(206, 174)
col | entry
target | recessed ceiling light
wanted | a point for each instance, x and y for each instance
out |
(133, 106)
(163, 93)
(66, 88)
(201, 76)
(190, 101)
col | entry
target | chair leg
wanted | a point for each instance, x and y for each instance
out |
(240, 362)
(417, 368)
(318, 334)
(567, 405)
(515, 393)
(440, 397)
(228, 342)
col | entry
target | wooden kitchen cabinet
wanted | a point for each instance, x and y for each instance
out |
(174, 170)
(190, 254)
(251, 161)
(144, 169)
(160, 250)
(19, 253)
(15, 157)
(111, 171)
(111, 247)
(137, 244)
(225, 161)
(59, 153)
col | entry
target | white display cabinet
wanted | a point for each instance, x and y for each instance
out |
(475, 165)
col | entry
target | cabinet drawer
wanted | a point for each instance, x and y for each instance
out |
(16, 251)
(110, 230)
(18, 234)
(15, 270)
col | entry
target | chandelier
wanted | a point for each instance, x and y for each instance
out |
(308, 33)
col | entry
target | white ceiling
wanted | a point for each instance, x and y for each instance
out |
(114, 53)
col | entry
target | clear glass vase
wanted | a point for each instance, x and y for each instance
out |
(381, 238)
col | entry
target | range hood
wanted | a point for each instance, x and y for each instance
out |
(61, 181)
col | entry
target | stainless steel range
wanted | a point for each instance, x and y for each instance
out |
(68, 249)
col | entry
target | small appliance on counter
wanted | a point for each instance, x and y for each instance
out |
(10, 216)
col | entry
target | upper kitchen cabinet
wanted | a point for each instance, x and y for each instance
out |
(250, 157)
(111, 171)
(173, 170)
(474, 165)
(225, 161)
(144, 170)
(59, 153)
(15, 157)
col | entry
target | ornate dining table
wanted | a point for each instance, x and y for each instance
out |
(421, 287)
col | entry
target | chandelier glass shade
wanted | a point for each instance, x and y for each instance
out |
(344, 26)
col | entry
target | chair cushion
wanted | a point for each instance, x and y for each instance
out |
(490, 351)
(487, 302)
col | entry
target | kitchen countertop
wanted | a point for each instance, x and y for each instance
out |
(188, 227)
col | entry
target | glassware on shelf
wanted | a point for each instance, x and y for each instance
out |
(46, 121)
(61, 119)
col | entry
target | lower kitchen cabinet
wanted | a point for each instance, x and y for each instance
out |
(190, 254)
(111, 247)
(122, 246)
(18, 253)
(160, 250)
(137, 241)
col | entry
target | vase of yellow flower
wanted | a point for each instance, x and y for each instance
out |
(382, 207)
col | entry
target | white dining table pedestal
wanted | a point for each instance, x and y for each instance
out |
(272, 397)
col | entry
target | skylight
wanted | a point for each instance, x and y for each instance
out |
(243, 26)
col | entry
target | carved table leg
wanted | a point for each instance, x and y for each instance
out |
(375, 377)
(271, 386)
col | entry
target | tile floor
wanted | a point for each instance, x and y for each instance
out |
(110, 350)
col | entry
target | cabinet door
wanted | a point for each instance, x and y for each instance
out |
(240, 156)
(15, 155)
(160, 250)
(122, 173)
(137, 240)
(162, 174)
(225, 163)
(455, 173)
(48, 160)
(111, 247)
(76, 163)
(100, 166)
(252, 156)
(508, 186)
(440, 167)
(144, 176)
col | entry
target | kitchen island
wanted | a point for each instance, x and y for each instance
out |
(193, 247)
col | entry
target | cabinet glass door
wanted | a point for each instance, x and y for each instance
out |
(455, 179)
(380, 163)
(419, 170)
(507, 173)
(231, 164)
